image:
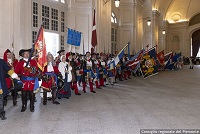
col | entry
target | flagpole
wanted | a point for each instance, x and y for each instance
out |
(123, 48)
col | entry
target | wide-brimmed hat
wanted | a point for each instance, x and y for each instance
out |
(60, 51)
(24, 50)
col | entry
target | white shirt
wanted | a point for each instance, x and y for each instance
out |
(62, 67)
(89, 63)
(25, 62)
(10, 61)
(50, 67)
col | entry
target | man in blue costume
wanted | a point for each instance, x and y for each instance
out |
(4, 68)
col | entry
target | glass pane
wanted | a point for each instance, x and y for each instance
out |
(52, 42)
(112, 20)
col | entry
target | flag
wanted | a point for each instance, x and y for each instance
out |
(94, 33)
(172, 61)
(73, 37)
(40, 48)
(134, 62)
(161, 57)
(160, 60)
(148, 63)
(168, 58)
(120, 55)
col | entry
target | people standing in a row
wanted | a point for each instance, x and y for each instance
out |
(60, 76)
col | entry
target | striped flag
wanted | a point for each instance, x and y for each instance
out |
(134, 62)
(120, 54)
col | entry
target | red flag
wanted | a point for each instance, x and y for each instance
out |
(161, 57)
(94, 33)
(40, 47)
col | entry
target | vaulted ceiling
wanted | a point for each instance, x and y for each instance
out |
(177, 10)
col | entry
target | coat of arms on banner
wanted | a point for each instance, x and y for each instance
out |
(148, 63)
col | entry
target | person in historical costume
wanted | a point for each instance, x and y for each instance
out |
(96, 70)
(102, 70)
(75, 71)
(111, 66)
(57, 59)
(27, 68)
(3, 87)
(49, 80)
(79, 72)
(88, 74)
(128, 69)
(191, 62)
(124, 68)
(9, 58)
(65, 69)
(119, 70)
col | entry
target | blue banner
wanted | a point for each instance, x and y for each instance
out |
(74, 37)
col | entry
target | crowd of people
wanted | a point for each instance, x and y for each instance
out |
(60, 77)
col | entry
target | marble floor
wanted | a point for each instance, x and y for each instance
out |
(168, 100)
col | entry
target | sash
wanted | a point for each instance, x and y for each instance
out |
(36, 86)
(55, 76)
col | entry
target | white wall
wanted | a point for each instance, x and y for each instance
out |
(15, 24)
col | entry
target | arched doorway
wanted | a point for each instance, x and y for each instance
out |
(195, 51)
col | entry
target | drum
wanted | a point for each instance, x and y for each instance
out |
(60, 84)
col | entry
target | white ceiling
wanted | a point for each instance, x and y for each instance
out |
(177, 10)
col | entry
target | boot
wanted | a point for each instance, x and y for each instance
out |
(5, 100)
(84, 87)
(2, 112)
(97, 85)
(54, 94)
(32, 101)
(102, 82)
(24, 100)
(44, 97)
(76, 88)
(91, 86)
(72, 85)
(14, 96)
(2, 115)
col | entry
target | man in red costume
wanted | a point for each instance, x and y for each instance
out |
(49, 80)
(27, 69)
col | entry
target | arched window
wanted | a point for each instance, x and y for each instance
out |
(113, 18)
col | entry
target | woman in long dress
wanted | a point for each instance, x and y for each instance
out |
(65, 68)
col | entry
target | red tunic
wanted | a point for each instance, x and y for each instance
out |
(9, 80)
(52, 81)
(20, 70)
